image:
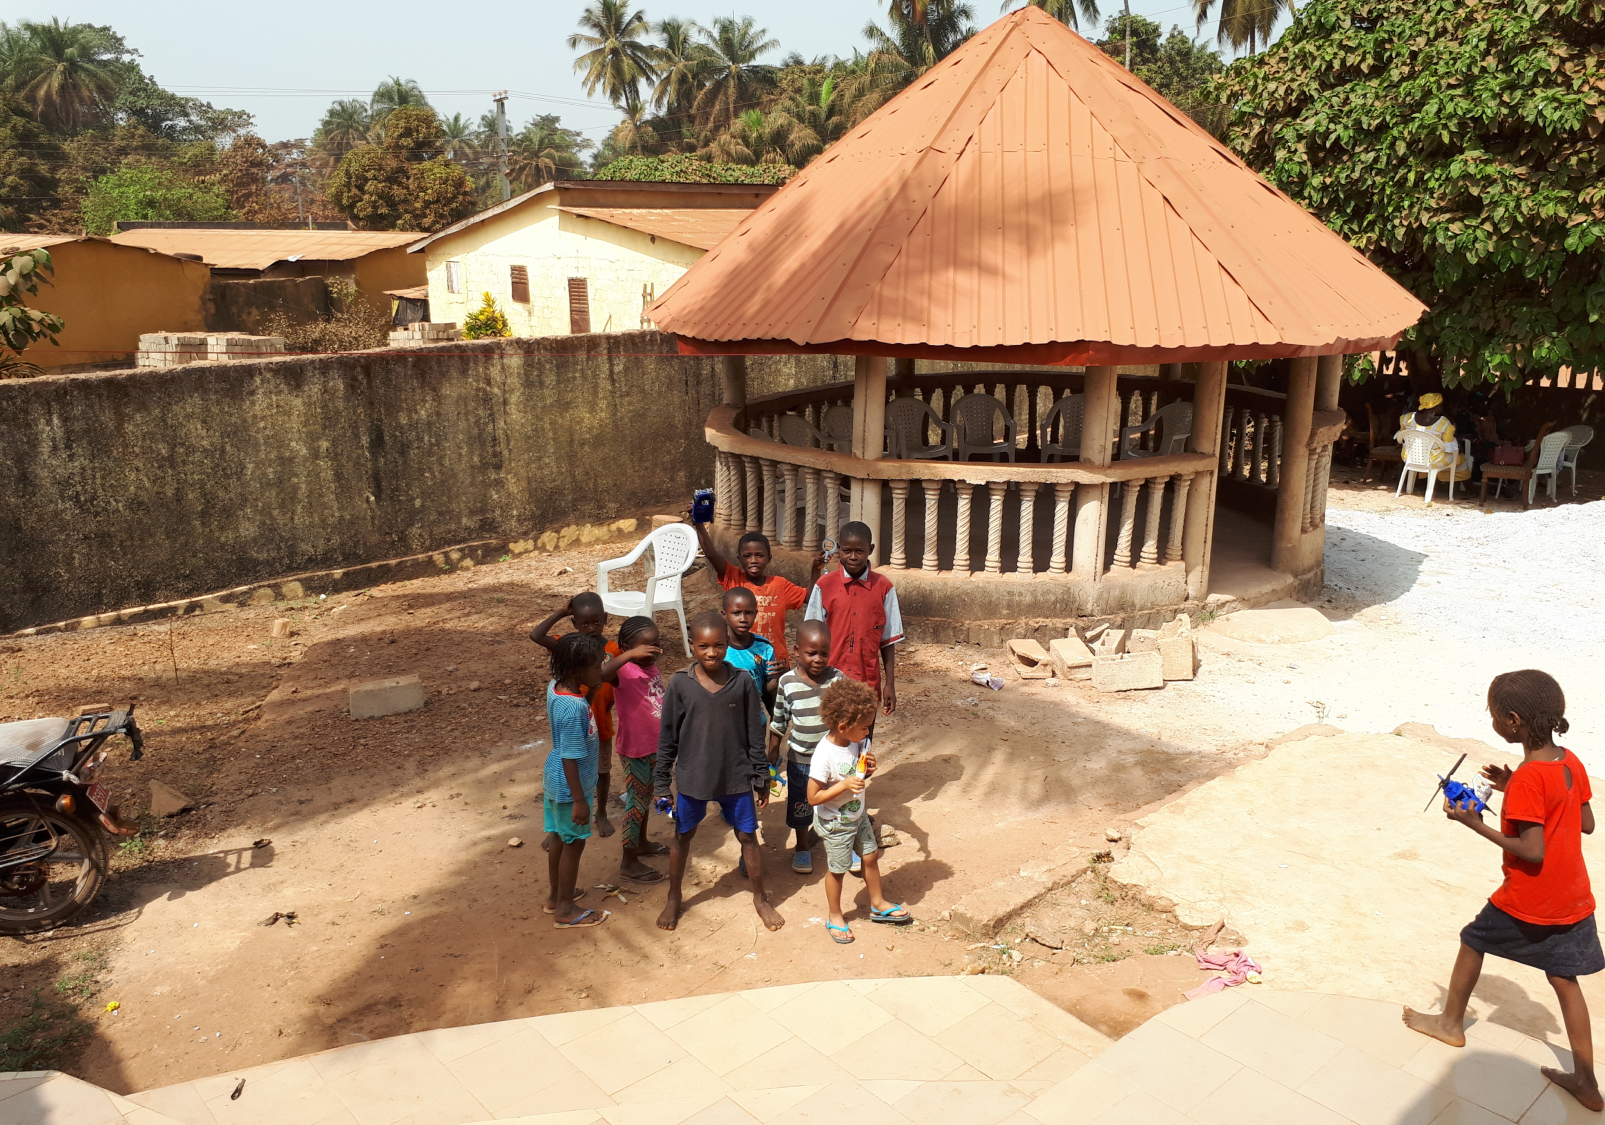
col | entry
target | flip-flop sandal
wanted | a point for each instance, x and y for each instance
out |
(646, 880)
(584, 921)
(891, 917)
(654, 849)
(836, 930)
(578, 894)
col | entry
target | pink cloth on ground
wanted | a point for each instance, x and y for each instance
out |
(1236, 965)
(638, 700)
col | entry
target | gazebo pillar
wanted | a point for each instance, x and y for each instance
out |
(1100, 423)
(869, 440)
(1209, 408)
(734, 370)
(1287, 537)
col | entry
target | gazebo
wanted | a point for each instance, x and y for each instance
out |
(1029, 203)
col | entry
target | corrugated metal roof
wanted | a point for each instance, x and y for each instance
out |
(702, 227)
(259, 249)
(1030, 196)
(412, 293)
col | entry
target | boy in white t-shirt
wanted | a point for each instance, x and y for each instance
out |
(842, 765)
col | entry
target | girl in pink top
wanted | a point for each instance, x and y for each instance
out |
(638, 704)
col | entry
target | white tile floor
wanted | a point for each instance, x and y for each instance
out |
(931, 1051)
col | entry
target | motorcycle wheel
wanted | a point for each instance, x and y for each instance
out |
(64, 864)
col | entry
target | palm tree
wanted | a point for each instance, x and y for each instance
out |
(735, 79)
(393, 93)
(615, 58)
(542, 150)
(911, 48)
(345, 125)
(1064, 11)
(682, 63)
(1243, 23)
(66, 72)
(462, 137)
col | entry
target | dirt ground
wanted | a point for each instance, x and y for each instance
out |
(389, 838)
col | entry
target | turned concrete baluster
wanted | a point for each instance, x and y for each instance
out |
(1262, 431)
(751, 478)
(1178, 516)
(1273, 453)
(899, 559)
(830, 488)
(1150, 531)
(791, 533)
(1028, 516)
(933, 493)
(994, 526)
(1128, 522)
(770, 500)
(1063, 491)
(1245, 446)
(810, 529)
(1226, 444)
(729, 501)
(961, 534)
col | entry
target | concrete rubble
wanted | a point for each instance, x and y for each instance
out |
(378, 698)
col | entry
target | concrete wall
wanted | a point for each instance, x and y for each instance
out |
(247, 306)
(109, 293)
(124, 489)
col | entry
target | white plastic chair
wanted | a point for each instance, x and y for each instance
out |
(1549, 454)
(797, 430)
(906, 419)
(1417, 447)
(839, 425)
(1068, 412)
(1580, 436)
(974, 423)
(674, 549)
(1175, 426)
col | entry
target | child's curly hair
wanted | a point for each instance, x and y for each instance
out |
(847, 703)
(1536, 698)
(576, 652)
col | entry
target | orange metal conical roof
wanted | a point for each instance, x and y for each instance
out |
(1029, 200)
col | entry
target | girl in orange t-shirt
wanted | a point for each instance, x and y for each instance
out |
(1543, 913)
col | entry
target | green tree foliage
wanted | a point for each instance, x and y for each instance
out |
(543, 150)
(616, 60)
(20, 326)
(1457, 144)
(345, 125)
(170, 117)
(26, 179)
(684, 169)
(1179, 69)
(405, 182)
(67, 73)
(136, 192)
(733, 78)
(486, 321)
(1245, 24)
(1068, 12)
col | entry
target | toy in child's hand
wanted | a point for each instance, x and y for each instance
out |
(1443, 780)
(829, 548)
(663, 805)
(702, 506)
(1473, 796)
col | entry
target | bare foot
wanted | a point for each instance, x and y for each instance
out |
(1438, 1026)
(769, 915)
(604, 826)
(1585, 1090)
(670, 918)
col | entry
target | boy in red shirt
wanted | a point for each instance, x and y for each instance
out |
(859, 606)
(776, 595)
(586, 610)
(1543, 913)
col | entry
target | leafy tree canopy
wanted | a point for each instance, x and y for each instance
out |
(26, 180)
(1174, 65)
(403, 183)
(1456, 143)
(136, 192)
(681, 169)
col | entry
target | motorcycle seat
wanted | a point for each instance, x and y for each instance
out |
(21, 743)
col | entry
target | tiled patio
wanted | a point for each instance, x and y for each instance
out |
(933, 1051)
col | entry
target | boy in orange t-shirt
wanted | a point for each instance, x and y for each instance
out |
(776, 595)
(589, 617)
(1543, 913)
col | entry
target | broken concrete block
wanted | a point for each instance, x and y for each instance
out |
(984, 911)
(167, 801)
(280, 629)
(1030, 659)
(1111, 643)
(1128, 672)
(1143, 640)
(377, 698)
(1071, 658)
(1178, 657)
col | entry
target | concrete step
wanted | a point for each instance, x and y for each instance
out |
(49, 1097)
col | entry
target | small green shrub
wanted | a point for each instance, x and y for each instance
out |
(486, 321)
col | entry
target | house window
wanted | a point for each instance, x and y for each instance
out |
(520, 284)
(579, 305)
(454, 277)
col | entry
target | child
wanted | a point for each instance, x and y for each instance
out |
(797, 711)
(775, 594)
(1543, 913)
(748, 652)
(638, 695)
(711, 746)
(570, 775)
(860, 606)
(842, 765)
(589, 617)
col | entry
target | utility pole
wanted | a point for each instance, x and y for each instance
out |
(501, 145)
(1128, 34)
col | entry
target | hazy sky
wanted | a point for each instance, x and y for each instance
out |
(284, 62)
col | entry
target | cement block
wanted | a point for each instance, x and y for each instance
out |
(377, 698)
(1111, 643)
(1178, 658)
(1128, 672)
(1030, 659)
(1071, 658)
(1143, 640)
(984, 911)
(166, 801)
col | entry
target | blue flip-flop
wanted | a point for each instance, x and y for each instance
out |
(585, 921)
(894, 915)
(835, 930)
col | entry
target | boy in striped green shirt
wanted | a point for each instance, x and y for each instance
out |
(796, 719)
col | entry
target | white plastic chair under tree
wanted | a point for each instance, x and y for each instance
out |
(906, 422)
(1580, 436)
(1417, 447)
(1175, 426)
(674, 550)
(1068, 412)
(974, 427)
(1549, 455)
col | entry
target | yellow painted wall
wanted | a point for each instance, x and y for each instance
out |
(109, 294)
(392, 268)
(554, 246)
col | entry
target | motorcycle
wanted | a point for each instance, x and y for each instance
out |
(55, 819)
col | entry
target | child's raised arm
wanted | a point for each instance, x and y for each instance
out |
(611, 666)
(538, 634)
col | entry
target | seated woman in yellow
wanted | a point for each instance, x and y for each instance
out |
(1447, 452)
